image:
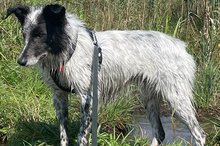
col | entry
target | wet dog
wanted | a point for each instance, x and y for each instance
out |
(63, 48)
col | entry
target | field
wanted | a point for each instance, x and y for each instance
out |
(27, 115)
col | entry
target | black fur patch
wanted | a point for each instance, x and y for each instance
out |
(57, 81)
(19, 11)
(57, 39)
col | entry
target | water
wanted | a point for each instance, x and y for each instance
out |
(175, 131)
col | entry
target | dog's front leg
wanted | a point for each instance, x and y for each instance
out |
(60, 99)
(86, 120)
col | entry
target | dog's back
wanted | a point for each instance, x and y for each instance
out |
(144, 56)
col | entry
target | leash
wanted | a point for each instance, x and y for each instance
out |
(96, 66)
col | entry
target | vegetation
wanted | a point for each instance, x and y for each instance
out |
(27, 116)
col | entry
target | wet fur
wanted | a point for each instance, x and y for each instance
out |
(157, 63)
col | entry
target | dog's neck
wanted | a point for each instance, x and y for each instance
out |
(55, 62)
(56, 72)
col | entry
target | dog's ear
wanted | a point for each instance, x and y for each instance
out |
(19, 11)
(55, 14)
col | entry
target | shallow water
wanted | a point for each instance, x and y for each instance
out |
(175, 131)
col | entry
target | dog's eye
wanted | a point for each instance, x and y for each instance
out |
(39, 34)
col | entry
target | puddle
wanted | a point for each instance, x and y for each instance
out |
(175, 131)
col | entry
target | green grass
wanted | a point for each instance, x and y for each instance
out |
(207, 79)
(215, 135)
(22, 91)
(118, 114)
(27, 115)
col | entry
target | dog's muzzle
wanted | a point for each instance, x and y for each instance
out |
(22, 61)
(29, 61)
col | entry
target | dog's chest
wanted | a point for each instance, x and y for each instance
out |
(61, 80)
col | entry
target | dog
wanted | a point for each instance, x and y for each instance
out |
(62, 46)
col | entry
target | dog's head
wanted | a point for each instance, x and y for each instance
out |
(42, 29)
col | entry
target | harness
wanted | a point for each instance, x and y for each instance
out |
(54, 74)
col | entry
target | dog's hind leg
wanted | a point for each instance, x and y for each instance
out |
(86, 120)
(60, 99)
(178, 95)
(152, 108)
(188, 117)
(186, 114)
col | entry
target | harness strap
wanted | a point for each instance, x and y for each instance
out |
(95, 43)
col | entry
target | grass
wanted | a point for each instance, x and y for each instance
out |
(27, 115)
(21, 93)
(118, 114)
(207, 79)
(215, 135)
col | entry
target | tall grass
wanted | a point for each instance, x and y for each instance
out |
(208, 77)
(26, 110)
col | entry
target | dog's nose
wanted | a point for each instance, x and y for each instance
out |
(22, 61)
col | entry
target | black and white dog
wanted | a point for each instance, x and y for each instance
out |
(63, 48)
